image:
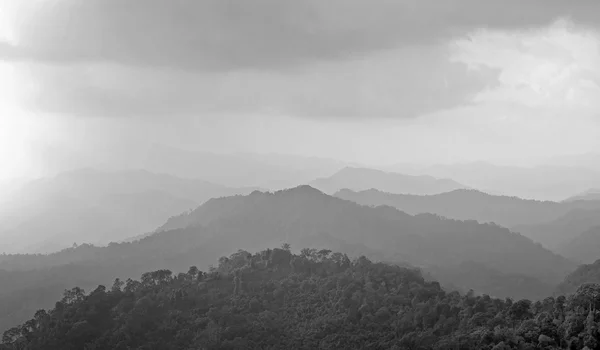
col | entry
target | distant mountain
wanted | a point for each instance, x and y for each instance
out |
(92, 206)
(486, 280)
(556, 233)
(589, 273)
(585, 247)
(547, 182)
(589, 195)
(422, 240)
(464, 205)
(359, 179)
(270, 171)
(298, 216)
(587, 160)
(546, 222)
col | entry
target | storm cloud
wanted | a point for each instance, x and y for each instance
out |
(312, 59)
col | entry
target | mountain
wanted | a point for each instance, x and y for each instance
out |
(584, 248)
(589, 195)
(556, 233)
(422, 240)
(544, 182)
(486, 280)
(584, 274)
(543, 221)
(270, 171)
(297, 216)
(274, 299)
(587, 160)
(93, 206)
(464, 205)
(362, 179)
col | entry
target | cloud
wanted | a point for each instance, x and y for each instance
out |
(233, 34)
(314, 59)
(402, 83)
(555, 68)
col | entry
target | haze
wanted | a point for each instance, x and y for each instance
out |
(299, 174)
(91, 84)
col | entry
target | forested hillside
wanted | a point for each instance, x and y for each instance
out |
(423, 239)
(313, 300)
(304, 217)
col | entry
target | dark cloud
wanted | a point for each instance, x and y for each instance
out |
(230, 34)
(305, 58)
(394, 84)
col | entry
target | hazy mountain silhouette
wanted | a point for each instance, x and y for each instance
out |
(584, 248)
(589, 195)
(93, 206)
(534, 219)
(586, 160)
(300, 215)
(555, 233)
(270, 171)
(424, 239)
(547, 182)
(486, 280)
(363, 178)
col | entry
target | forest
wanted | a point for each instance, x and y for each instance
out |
(317, 299)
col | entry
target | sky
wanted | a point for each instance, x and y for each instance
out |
(378, 82)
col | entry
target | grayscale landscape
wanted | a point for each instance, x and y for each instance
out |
(278, 174)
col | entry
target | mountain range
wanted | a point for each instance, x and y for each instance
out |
(269, 171)
(542, 182)
(296, 216)
(93, 206)
(546, 222)
(363, 178)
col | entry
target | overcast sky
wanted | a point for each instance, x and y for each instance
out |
(377, 81)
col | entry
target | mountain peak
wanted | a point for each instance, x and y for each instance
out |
(303, 189)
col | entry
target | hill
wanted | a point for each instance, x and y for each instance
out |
(586, 273)
(274, 299)
(485, 280)
(545, 182)
(584, 248)
(424, 239)
(556, 233)
(92, 206)
(298, 216)
(542, 221)
(589, 195)
(362, 178)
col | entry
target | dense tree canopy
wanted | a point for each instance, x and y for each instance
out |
(317, 299)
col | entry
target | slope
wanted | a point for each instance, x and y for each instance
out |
(93, 206)
(542, 221)
(587, 273)
(424, 239)
(556, 233)
(589, 195)
(584, 248)
(274, 299)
